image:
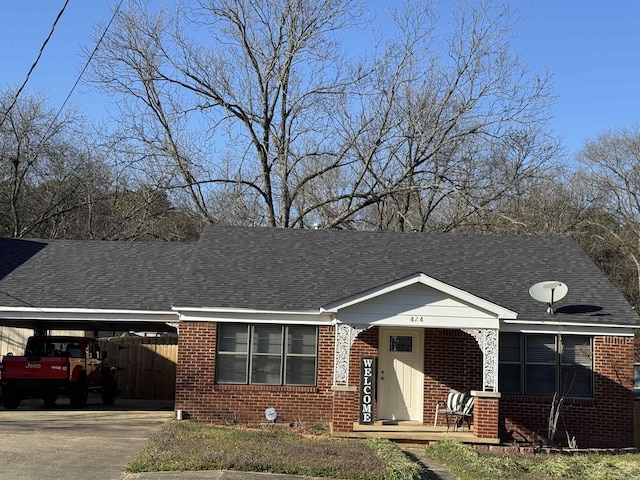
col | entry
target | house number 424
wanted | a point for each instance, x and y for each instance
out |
(416, 319)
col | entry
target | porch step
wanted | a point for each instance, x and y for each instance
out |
(412, 431)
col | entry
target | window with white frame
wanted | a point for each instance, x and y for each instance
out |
(266, 354)
(541, 364)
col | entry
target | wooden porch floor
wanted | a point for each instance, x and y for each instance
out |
(413, 432)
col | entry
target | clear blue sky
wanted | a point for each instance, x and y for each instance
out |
(592, 48)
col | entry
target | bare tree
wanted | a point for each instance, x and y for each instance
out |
(34, 149)
(257, 109)
(468, 132)
(549, 205)
(57, 182)
(611, 176)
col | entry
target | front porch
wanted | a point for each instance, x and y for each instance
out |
(400, 349)
(484, 426)
(413, 432)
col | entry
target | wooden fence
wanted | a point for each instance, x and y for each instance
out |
(146, 365)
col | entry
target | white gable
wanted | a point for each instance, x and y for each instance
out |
(419, 301)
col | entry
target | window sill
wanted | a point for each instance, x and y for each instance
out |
(546, 399)
(267, 388)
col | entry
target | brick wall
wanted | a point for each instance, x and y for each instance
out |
(345, 409)
(606, 421)
(195, 367)
(346, 402)
(366, 344)
(203, 400)
(452, 359)
(487, 413)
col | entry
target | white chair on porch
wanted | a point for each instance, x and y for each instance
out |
(459, 407)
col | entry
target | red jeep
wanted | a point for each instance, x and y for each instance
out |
(57, 365)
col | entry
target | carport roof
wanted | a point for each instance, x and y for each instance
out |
(90, 274)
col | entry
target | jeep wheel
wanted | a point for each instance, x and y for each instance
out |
(50, 398)
(78, 395)
(10, 397)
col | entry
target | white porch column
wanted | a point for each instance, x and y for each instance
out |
(345, 336)
(488, 341)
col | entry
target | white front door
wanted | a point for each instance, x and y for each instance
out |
(400, 374)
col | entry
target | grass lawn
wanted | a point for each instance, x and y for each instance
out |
(468, 464)
(182, 445)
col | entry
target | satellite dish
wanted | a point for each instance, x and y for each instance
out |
(548, 292)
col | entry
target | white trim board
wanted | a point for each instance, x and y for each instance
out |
(568, 328)
(253, 316)
(86, 314)
(421, 278)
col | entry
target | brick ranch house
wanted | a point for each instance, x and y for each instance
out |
(283, 319)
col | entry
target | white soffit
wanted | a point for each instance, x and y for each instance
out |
(249, 315)
(85, 314)
(421, 278)
(568, 328)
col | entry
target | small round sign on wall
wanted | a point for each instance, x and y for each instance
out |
(271, 414)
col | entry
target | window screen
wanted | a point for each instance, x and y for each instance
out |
(540, 375)
(576, 366)
(233, 350)
(266, 354)
(509, 373)
(541, 364)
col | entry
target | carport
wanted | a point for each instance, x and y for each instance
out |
(97, 287)
(145, 363)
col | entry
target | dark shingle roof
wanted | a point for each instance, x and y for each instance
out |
(286, 269)
(90, 274)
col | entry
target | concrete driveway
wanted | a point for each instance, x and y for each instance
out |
(93, 443)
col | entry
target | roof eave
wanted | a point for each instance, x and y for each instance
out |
(90, 314)
(242, 315)
(595, 328)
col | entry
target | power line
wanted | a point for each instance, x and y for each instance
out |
(86, 65)
(15, 98)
